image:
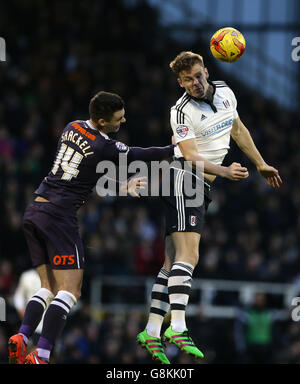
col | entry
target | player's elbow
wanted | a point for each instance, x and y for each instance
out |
(190, 156)
(234, 136)
(241, 137)
(236, 130)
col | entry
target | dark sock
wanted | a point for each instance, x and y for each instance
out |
(54, 322)
(34, 311)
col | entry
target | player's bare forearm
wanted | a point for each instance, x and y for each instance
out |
(208, 167)
(234, 172)
(243, 139)
(190, 153)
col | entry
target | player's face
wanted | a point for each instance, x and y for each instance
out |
(113, 125)
(194, 81)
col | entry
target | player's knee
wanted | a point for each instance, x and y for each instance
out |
(45, 284)
(195, 259)
(76, 292)
(191, 257)
(193, 254)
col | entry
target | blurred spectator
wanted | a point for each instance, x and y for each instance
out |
(254, 332)
(6, 277)
(28, 284)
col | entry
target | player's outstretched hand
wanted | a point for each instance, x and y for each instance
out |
(236, 172)
(133, 185)
(271, 175)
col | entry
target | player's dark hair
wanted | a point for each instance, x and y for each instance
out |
(185, 61)
(104, 104)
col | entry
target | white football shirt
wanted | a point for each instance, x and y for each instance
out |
(208, 124)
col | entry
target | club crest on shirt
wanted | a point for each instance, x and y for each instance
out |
(182, 130)
(121, 147)
(193, 221)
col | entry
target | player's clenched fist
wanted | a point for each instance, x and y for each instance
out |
(236, 172)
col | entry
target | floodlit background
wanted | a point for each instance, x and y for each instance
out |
(58, 54)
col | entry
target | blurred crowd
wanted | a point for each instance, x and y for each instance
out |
(58, 56)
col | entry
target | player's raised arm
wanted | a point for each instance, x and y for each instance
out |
(150, 153)
(113, 149)
(242, 137)
(234, 172)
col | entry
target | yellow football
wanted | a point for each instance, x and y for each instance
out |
(227, 44)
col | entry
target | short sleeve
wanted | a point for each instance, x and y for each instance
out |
(181, 125)
(234, 104)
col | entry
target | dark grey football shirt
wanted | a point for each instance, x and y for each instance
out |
(80, 148)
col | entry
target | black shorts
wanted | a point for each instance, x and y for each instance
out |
(52, 235)
(180, 217)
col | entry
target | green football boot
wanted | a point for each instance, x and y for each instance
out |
(183, 341)
(154, 346)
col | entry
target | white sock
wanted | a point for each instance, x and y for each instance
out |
(54, 321)
(43, 354)
(159, 304)
(179, 286)
(43, 296)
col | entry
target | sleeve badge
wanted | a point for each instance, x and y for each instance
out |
(121, 147)
(182, 130)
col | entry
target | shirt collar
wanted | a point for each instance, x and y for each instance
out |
(90, 126)
(209, 98)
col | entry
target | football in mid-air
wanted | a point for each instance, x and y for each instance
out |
(227, 44)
